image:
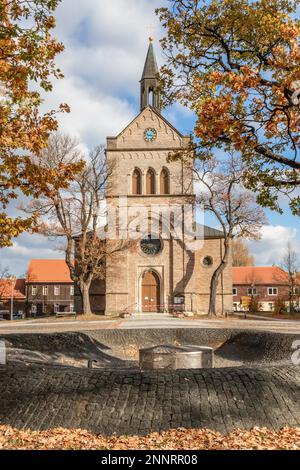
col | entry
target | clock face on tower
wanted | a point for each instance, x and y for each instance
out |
(150, 135)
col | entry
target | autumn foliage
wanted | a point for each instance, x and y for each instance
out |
(175, 439)
(236, 64)
(241, 255)
(27, 53)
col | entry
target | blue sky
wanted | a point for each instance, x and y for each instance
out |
(106, 43)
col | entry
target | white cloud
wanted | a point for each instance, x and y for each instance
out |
(271, 248)
(93, 115)
(105, 48)
(26, 247)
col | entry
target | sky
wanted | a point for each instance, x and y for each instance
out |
(105, 48)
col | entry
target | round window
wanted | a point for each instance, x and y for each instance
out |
(151, 246)
(207, 261)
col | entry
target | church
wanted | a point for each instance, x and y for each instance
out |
(159, 272)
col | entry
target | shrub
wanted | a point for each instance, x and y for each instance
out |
(254, 305)
(279, 307)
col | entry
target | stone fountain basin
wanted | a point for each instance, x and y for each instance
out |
(176, 357)
(119, 348)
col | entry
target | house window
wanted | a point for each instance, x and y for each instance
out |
(72, 290)
(234, 291)
(272, 291)
(296, 290)
(271, 306)
(33, 290)
(33, 308)
(71, 308)
(56, 290)
(45, 291)
(251, 291)
(56, 308)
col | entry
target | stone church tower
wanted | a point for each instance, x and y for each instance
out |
(156, 272)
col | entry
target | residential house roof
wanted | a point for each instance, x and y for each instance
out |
(12, 286)
(48, 271)
(259, 275)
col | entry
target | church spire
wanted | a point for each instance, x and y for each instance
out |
(150, 94)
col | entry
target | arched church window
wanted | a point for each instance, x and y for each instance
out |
(164, 182)
(150, 181)
(151, 97)
(137, 182)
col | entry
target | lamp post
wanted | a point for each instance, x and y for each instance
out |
(12, 280)
(292, 296)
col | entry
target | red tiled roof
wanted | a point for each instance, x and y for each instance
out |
(248, 275)
(48, 271)
(18, 289)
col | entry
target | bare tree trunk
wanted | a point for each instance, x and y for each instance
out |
(291, 295)
(215, 280)
(85, 295)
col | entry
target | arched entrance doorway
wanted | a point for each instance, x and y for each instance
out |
(150, 292)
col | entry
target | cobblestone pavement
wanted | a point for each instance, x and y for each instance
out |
(127, 402)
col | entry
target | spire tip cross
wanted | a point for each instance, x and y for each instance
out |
(150, 30)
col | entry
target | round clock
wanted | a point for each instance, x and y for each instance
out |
(150, 246)
(150, 135)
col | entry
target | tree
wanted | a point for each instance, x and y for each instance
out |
(76, 212)
(241, 255)
(4, 275)
(236, 64)
(254, 305)
(290, 263)
(280, 306)
(27, 53)
(4, 278)
(235, 209)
